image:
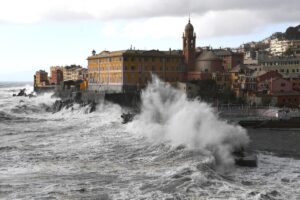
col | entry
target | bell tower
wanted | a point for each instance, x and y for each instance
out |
(189, 46)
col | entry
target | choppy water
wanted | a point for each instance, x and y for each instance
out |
(74, 155)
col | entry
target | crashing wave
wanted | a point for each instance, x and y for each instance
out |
(167, 115)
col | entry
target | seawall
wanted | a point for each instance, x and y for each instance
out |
(131, 100)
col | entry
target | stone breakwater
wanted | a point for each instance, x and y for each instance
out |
(86, 97)
(67, 99)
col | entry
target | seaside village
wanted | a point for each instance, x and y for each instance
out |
(256, 73)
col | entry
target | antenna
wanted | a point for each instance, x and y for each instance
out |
(189, 17)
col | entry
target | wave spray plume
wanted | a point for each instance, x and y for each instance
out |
(167, 115)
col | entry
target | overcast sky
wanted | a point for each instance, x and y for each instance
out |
(36, 34)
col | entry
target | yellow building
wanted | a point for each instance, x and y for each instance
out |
(130, 70)
(71, 72)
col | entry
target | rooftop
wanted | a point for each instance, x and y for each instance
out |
(137, 53)
(207, 55)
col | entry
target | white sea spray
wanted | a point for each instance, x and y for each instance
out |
(167, 115)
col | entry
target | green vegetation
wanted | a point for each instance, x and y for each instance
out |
(289, 52)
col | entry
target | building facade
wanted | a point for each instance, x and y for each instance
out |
(230, 59)
(70, 73)
(279, 46)
(280, 85)
(130, 70)
(56, 75)
(41, 78)
(284, 65)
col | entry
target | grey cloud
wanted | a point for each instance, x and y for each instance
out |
(231, 17)
(200, 7)
(271, 9)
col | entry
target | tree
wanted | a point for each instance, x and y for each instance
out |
(289, 52)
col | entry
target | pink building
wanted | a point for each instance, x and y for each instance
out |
(268, 75)
(264, 80)
(280, 85)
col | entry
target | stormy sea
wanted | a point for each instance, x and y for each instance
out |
(173, 149)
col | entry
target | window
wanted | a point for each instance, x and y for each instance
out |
(132, 68)
(282, 84)
(132, 59)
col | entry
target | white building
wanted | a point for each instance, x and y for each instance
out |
(279, 46)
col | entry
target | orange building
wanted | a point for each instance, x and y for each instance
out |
(130, 70)
(41, 78)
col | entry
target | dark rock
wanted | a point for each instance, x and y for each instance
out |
(69, 103)
(274, 193)
(127, 117)
(247, 183)
(31, 95)
(253, 193)
(57, 106)
(244, 159)
(285, 180)
(92, 107)
(21, 93)
(82, 190)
